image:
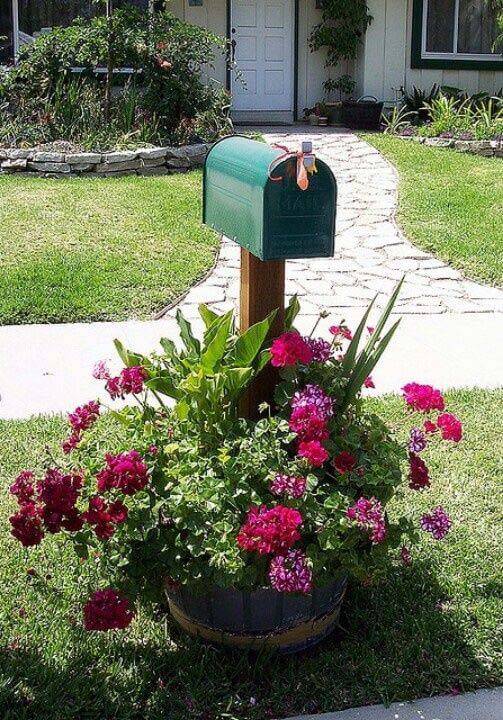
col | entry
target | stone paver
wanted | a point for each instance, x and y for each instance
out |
(371, 251)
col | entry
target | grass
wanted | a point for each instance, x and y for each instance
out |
(99, 249)
(451, 204)
(427, 629)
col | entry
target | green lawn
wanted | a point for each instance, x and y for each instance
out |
(431, 628)
(451, 204)
(99, 249)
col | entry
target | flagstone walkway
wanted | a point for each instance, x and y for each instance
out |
(371, 251)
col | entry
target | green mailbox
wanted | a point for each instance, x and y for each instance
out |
(251, 195)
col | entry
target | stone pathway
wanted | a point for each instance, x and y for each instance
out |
(371, 251)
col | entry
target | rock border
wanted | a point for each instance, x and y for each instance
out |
(143, 161)
(484, 148)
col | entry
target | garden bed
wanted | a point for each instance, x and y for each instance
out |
(485, 148)
(56, 162)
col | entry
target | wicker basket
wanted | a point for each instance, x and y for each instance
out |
(260, 619)
(362, 114)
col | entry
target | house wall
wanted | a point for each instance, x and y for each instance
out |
(311, 68)
(385, 57)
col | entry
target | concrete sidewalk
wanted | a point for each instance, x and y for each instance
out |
(47, 368)
(480, 705)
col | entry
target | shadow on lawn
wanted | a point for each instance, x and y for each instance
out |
(402, 639)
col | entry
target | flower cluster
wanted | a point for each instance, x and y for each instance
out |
(126, 472)
(104, 517)
(437, 522)
(311, 410)
(417, 441)
(419, 477)
(81, 419)
(450, 427)
(369, 516)
(314, 396)
(289, 349)
(290, 485)
(130, 381)
(268, 531)
(107, 610)
(341, 331)
(321, 349)
(344, 462)
(291, 573)
(49, 505)
(423, 398)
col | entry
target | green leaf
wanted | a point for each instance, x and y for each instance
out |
(182, 410)
(168, 346)
(236, 380)
(249, 344)
(215, 350)
(349, 357)
(291, 312)
(214, 327)
(191, 343)
(164, 386)
(207, 315)
(129, 358)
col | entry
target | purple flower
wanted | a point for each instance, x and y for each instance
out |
(417, 442)
(290, 485)
(314, 395)
(321, 349)
(369, 516)
(437, 522)
(291, 573)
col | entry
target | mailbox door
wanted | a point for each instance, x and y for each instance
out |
(297, 223)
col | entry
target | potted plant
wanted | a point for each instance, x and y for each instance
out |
(317, 115)
(344, 85)
(250, 528)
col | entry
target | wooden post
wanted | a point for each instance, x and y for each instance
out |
(262, 290)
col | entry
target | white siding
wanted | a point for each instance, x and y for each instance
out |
(384, 62)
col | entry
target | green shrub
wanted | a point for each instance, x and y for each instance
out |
(167, 98)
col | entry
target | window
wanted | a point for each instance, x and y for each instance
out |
(455, 33)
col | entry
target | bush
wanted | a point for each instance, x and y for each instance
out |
(168, 98)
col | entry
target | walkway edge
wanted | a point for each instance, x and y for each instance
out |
(484, 704)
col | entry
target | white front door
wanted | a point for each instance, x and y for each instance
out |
(262, 33)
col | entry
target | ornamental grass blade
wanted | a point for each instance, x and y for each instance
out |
(291, 312)
(191, 343)
(350, 356)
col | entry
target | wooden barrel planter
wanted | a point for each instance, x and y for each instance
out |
(259, 619)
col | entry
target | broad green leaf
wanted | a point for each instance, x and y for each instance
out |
(214, 327)
(191, 343)
(182, 410)
(236, 380)
(207, 315)
(249, 344)
(164, 386)
(215, 350)
(263, 359)
(168, 346)
(129, 358)
(291, 312)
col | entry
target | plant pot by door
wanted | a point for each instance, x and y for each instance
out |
(334, 112)
(362, 114)
(286, 622)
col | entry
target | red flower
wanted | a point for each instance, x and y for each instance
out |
(419, 477)
(59, 493)
(344, 462)
(450, 427)
(27, 525)
(23, 487)
(429, 426)
(313, 451)
(104, 517)
(130, 381)
(272, 530)
(126, 472)
(423, 398)
(83, 417)
(368, 382)
(289, 349)
(308, 422)
(342, 331)
(107, 610)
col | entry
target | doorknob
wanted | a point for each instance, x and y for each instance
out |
(233, 50)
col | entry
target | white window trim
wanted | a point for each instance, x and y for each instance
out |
(454, 55)
(15, 28)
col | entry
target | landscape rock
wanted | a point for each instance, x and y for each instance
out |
(48, 157)
(152, 153)
(120, 156)
(18, 153)
(14, 165)
(76, 158)
(120, 166)
(49, 167)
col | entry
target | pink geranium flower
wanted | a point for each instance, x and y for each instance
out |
(313, 451)
(437, 522)
(289, 349)
(419, 477)
(126, 472)
(369, 516)
(107, 610)
(341, 331)
(291, 573)
(290, 485)
(423, 398)
(272, 530)
(450, 427)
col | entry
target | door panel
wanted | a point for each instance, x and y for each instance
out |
(263, 32)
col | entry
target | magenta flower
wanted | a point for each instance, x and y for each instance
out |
(314, 395)
(423, 398)
(272, 530)
(437, 522)
(307, 422)
(313, 451)
(289, 349)
(289, 485)
(320, 348)
(368, 382)
(82, 418)
(369, 516)
(129, 382)
(23, 487)
(291, 573)
(450, 427)
(107, 610)
(126, 472)
(341, 331)
(101, 371)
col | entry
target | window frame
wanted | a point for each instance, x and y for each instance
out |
(420, 58)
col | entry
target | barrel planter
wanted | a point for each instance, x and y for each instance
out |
(259, 619)
(362, 114)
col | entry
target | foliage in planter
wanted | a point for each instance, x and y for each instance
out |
(341, 30)
(195, 493)
(167, 99)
